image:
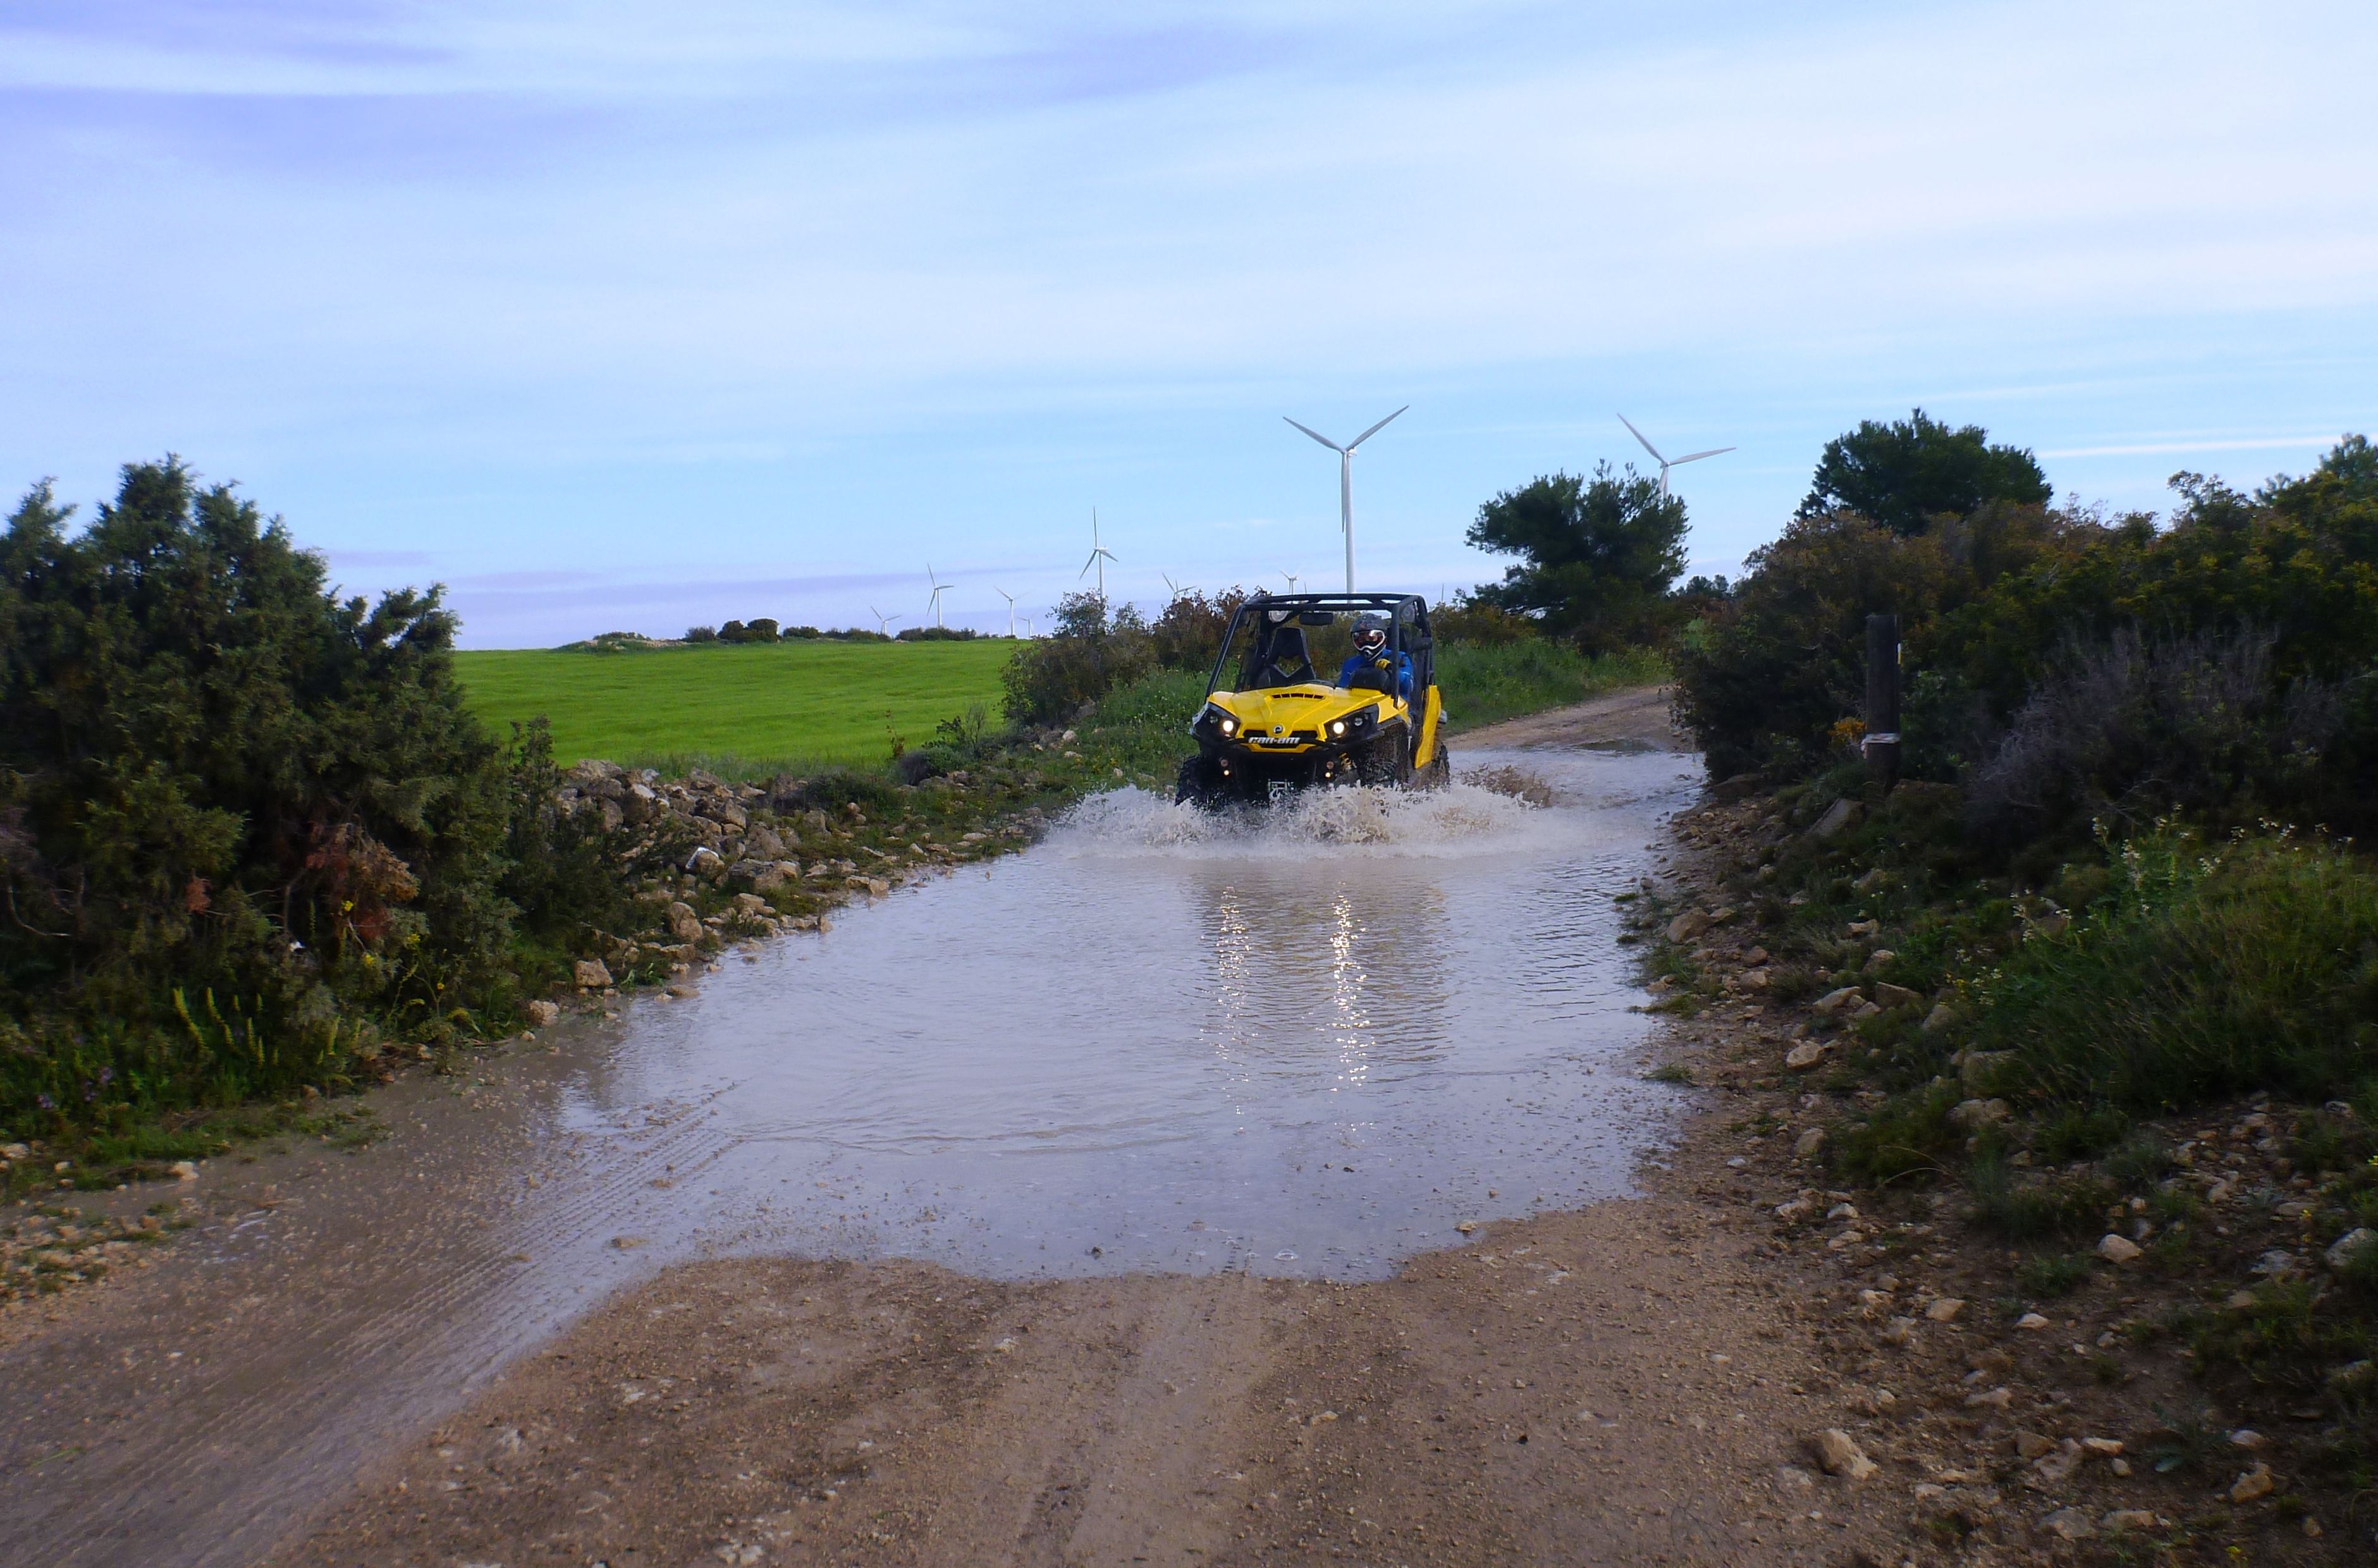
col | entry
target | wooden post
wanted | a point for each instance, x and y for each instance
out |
(1881, 744)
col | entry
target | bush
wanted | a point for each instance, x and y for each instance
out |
(1479, 623)
(1092, 654)
(1188, 635)
(243, 825)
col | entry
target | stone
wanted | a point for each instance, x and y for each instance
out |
(1945, 1310)
(1840, 1457)
(1874, 878)
(2247, 1438)
(2116, 1249)
(1795, 1208)
(1866, 1009)
(2275, 1263)
(2055, 1469)
(1804, 1055)
(2251, 1484)
(543, 1013)
(1878, 958)
(2070, 1523)
(1840, 816)
(1888, 995)
(2104, 1447)
(2032, 1321)
(1899, 1332)
(1978, 1070)
(2131, 1519)
(1687, 925)
(1971, 1116)
(2032, 1445)
(1809, 1144)
(683, 923)
(1940, 1018)
(185, 1171)
(1996, 1399)
(590, 975)
(2343, 1250)
(1834, 1001)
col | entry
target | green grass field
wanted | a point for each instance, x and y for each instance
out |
(733, 709)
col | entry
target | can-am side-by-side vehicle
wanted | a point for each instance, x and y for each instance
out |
(1323, 689)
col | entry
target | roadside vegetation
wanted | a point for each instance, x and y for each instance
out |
(2101, 974)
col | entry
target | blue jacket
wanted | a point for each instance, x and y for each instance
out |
(1356, 664)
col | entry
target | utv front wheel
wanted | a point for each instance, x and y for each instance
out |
(1383, 765)
(1200, 784)
(1438, 775)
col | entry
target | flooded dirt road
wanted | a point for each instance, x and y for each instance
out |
(1303, 1049)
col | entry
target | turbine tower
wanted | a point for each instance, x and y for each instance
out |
(1100, 556)
(934, 603)
(1292, 580)
(1667, 463)
(1011, 611)
(1346, 481)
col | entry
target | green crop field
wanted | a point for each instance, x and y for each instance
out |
(736, 708)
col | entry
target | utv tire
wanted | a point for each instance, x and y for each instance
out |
(1383, 765)
(1200, 784)
(1438, 775)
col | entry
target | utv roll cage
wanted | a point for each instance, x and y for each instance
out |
(1277, 622)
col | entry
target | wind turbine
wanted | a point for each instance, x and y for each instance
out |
(883, 621)
(1292, 580)
(1100, 556)
(1169, 586)
(1667, 463)
(1011, 611)
(934, 603)
(1346, 481)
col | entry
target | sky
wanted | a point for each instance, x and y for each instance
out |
(618, 317)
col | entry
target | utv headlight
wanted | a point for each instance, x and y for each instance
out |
(1362, 720)
(1336, 727)
(1228, 725)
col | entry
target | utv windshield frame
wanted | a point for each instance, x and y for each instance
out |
(1265, 614)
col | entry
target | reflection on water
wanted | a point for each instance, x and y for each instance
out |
(1302, 1042)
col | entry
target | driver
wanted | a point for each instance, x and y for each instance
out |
(1371, 654)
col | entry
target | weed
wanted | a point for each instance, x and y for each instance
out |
(1672, 1073)
(2046, 1275)
(2054, 1206)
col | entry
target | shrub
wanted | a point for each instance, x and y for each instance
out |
(1092, 654)
(1188, 635)
(1479, 623)
(243, 823)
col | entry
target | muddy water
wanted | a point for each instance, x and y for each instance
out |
(1307, 1045)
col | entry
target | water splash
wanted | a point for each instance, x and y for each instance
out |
(1460, 820)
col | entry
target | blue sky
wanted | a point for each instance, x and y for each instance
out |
(629, 316)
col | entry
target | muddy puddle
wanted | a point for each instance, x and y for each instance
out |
(1307, 1046)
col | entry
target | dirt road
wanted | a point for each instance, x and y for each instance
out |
(1629, 1383)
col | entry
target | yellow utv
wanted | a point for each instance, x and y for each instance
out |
(1323, 689)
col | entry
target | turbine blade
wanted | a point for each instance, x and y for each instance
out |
(1374, 430)
(1639, 435)
(1086, 565)
(1316, 436)
(1711, 453)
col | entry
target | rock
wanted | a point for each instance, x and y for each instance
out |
(1866, 1009)
(2032, 1321)
(702, 861)
(2276, 1263)
(1899, 1330)
(1840, 1456)
(2251, 1484)
(751, 904)
(2131, 1519)
(759, 876)
(1945, 1310)
(590, 975)
(1878, 958)
(1874, 878)
(1888, 995)
(1839, 817)
(1799, 1209)
(2249, 1438)
(12, 1152)
(542, 1013)
(683, 923)
(1940, 1018)
(1809, 1144)
(1971, 1116)
(2032, 1445)
(1804, 1055)
(2104, 1447)
(1979, 1070)
(1996, 1399)
(2116, 1249)
(2055, 1469)
(185, 1171)
(1467, 1227)
(2343, 1250)
(2070, 1524)
(1687, 925)
(1834, 1001)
